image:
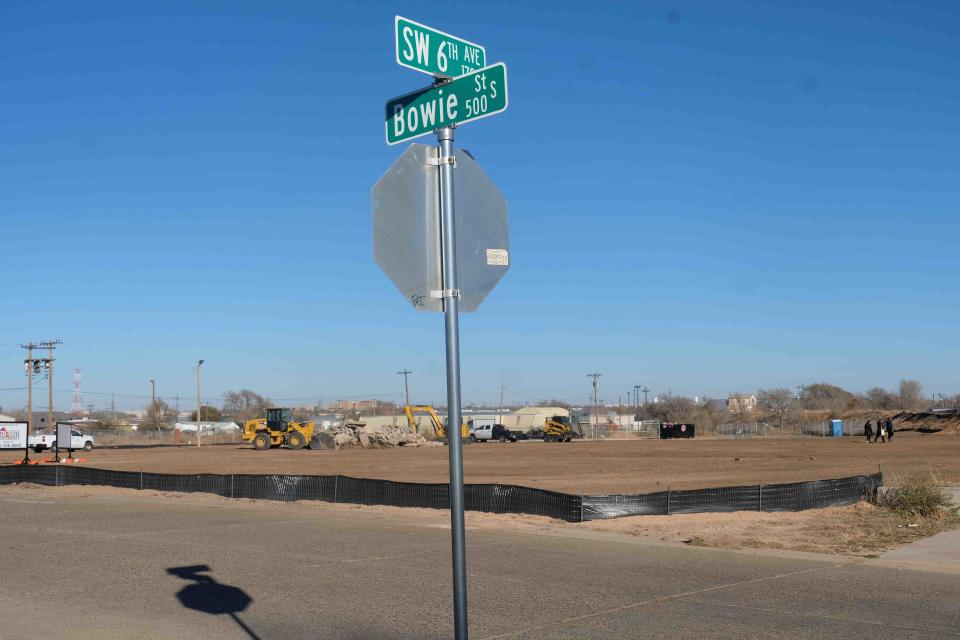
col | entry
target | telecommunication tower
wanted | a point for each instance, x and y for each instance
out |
(76, 407)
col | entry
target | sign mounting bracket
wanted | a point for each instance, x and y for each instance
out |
(437, 162)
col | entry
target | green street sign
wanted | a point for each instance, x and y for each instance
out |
(476, 95)
(425, 49)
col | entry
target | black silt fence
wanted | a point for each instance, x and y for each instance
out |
(797, 496)
(491, 498)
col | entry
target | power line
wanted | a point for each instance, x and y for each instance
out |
(540, 397)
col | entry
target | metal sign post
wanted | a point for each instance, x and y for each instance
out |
(26, 443)
(451, 312)
(414, 216)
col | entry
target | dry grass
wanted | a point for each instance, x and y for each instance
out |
(866, 529)
(917, 508)
(917, 496)
(863, 529)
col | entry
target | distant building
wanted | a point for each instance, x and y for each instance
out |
(355, 405)
(529, 418)
(741, 402)
(484, 410)
(327, 420)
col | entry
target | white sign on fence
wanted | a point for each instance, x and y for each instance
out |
(13, 435)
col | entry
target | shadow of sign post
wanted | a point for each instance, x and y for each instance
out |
(209, 596)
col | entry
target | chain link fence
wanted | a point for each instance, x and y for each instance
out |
(107, 438)
(624, 430)
(742, 429)
(817, 429)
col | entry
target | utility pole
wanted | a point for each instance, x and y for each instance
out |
(31, 366)
(113, 410)
(500, 413)
(28, 367)
(406, 386)
(199, 363)
(636, 400)
(50, 345)
(596, 408)
(153, 405)
(803, 408)
(645, 391)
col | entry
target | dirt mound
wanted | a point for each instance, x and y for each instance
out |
(926, 422)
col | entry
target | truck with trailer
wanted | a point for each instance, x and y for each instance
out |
(489, 432)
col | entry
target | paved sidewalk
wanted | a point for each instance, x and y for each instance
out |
(940, 553)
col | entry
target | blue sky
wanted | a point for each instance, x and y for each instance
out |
(706, 197)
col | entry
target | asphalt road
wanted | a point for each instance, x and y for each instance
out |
(80, 562)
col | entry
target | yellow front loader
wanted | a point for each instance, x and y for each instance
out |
(278, 429)
(439, 429)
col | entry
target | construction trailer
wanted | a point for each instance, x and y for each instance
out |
(532, 418)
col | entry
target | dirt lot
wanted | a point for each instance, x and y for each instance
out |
(591, 467)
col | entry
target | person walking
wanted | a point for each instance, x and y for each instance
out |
(880, 436)
(868, 430)
(889, 425)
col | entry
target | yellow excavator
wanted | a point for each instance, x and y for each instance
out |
(439, 429)
(557, 429)
(278, 429)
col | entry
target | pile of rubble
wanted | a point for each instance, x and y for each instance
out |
(357, 434)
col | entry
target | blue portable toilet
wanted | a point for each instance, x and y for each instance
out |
(837, 426)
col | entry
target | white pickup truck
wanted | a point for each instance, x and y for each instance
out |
(40, 441)
(491, 432)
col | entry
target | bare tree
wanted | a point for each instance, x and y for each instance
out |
(210, 414)
(159, 413)
(824, 396)
(244, 404)
(672, 409)
(775, 401)
(911, 394)
(878, 398)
